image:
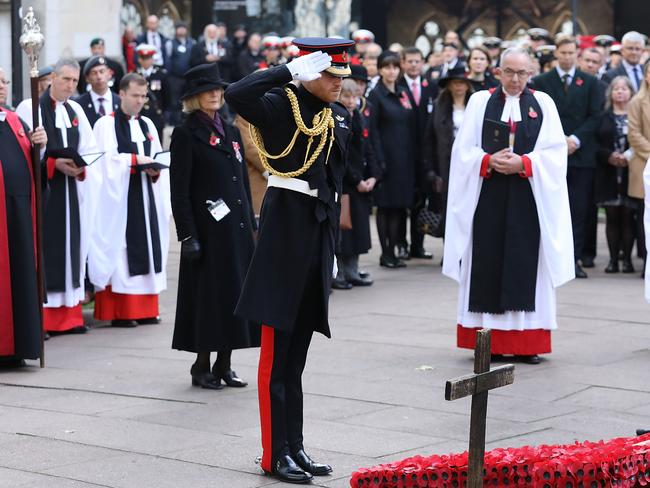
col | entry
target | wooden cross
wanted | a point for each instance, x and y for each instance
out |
(477, 385)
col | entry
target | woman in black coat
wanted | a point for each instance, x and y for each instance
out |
(393, 136)
(442, 126)
(212, 208)
(478, 66)
(611, 186)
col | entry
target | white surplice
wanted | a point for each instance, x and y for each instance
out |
(87, 192)
(108, 261)
(548, 183)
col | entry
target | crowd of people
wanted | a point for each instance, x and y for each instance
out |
(106, 224)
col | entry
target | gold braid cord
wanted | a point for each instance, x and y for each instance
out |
(323, 123)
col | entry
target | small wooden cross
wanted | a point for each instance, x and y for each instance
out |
(477, 385)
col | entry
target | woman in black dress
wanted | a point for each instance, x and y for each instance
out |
(393, 139)
(479, 74)
(212, 209)
(612, 156)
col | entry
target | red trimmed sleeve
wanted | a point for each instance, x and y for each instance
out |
(51, 167)
(528, 167)
(486, 172)
(134, 162)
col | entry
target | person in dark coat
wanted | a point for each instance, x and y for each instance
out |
(211, 203)
(612, 158)
(360, 179)
(393, 135)
(116, 72)
(441, 130)
(213, 49)
(479, 72)
(250, 58)
(288, 282)
(177, 62)
(99, 100)
(157, 86)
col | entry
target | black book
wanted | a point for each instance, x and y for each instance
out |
(162, 160)
(80, 160)
(496, 136)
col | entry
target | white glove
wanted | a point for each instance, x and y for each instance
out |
(308, 67)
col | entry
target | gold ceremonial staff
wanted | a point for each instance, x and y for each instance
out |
(32, 41)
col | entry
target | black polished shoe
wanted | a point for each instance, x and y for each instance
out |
(363, 274)
(420, 254)
(124, 323)
(230, 378)
(588, 262)
(360, 281)
(628, 267)
(205, 379)
(341, 284)
(612, 266)
(148, 321)
(530, 359)
(580, 273)
(402, 253)
(285, 469)
(388, 262)
(401, 264)
(82, 329)
(308, 464)
(12, 363)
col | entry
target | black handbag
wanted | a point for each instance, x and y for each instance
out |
(430, 222)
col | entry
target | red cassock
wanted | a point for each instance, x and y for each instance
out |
(19, 304)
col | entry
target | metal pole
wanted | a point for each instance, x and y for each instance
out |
(16, 54)
(574, 12)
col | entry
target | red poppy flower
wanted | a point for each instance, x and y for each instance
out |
(579, 81)
(75, 121)
(365, 132)
(532, 114)
(150, 136)
(214, 140)
(425, 83)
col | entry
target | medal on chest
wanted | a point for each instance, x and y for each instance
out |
(236, 147)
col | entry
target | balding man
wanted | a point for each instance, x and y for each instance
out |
(633, 44)
(213, 48)
(507, 201)
(155, 38)
(4, 89)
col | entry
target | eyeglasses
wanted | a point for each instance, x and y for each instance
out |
(5, 82)
(509, 73)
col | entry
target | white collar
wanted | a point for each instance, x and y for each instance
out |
(106, 96)
(410, 80)
(136, 131)
(61, 117)
(571, 72)
(511, 109)
(3, 115)
(629, 67)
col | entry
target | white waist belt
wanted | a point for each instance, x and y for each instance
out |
(293, 184)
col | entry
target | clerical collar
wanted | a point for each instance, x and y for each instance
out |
(571, 72)
(511, 108)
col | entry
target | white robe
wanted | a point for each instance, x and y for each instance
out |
(87, 192)
(107, 261)
(646, 223)
(548, 183)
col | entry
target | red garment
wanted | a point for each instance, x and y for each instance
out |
(518, 342)
(120, 306)
(61, 319)
(7, 346)
(128, 49)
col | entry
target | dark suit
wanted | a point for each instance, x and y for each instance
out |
(113, 83)
(621, 71)
(580, 110)
(87, 104)
(225, 63)
(144, 39)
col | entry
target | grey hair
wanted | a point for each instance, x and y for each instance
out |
(610, 89)
(633, 36)
(511, 51)
(70, 62)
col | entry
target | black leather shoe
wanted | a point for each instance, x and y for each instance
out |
(588, 262)
(628, 267)
(360, 281)
(124, 323)
(230, 378)
(363, 274)
(340, 284)
(531, 359)
(580, 273)
(82, 329)
(402, 253)
(401, 264)
(388, 262)
(612, 266)
(205, 379)
(285, 469)
(148, 321)
(420, 254)
(308, 464)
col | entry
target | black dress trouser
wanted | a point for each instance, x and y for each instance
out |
(580, 183)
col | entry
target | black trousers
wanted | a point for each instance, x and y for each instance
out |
(283, 355)
(589, 249)
(580, 182)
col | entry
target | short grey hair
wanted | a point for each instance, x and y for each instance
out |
(70, 62)
(633, 36)
(512, 51)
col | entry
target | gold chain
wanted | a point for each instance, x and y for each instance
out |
(322, 124)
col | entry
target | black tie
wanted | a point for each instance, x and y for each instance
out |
(566, 81)
(637, 77)
(102, 111)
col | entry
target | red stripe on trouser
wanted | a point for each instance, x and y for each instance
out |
(264, 394)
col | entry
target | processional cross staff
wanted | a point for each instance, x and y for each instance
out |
(478, 385)
(32, 41)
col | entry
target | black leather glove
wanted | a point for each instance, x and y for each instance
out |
(191, 250)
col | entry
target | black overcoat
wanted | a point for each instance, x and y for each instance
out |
(206, 166)
(297, 232)
(607, 187)
(393, 133)
(361, 166)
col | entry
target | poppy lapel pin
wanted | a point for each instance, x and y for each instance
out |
(214, 140)
(75, 121)
(579, 81)
(531, 113)
(150, 136)
(21, 132)
(425, 83)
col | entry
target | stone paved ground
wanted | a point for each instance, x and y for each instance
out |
(114, 408)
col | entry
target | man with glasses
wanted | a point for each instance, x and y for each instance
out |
(507, 201)
(633, 44)
(579, 101)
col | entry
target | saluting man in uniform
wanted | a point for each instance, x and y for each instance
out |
(302, 136)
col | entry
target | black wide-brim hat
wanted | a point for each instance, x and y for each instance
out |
(456, 73)
(202, 78)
